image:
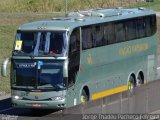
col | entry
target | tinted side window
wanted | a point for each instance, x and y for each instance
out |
(109, 33)
(130, 29)
(98, 36)
(87, 41)
(153, 24)
(141, 28)
(148, 26)
(120, 32)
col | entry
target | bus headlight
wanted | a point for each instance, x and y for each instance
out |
(16, 97)
(58, 98)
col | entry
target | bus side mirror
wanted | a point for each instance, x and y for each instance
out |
(4, 67)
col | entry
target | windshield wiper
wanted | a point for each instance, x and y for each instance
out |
(17, 52)
(54, 55)
(55, 87)
(31, 56)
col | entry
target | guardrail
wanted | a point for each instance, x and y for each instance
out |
(143, 100)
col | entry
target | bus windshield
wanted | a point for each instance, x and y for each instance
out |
(49, 74)
(40, 43)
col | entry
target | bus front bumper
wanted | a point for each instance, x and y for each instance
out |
(39, 104)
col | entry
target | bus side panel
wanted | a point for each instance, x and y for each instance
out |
(109, 67)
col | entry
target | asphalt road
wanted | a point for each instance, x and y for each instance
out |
(6, 109)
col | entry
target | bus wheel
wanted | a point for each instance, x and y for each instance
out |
(140, 79)
(84, 96)
(131, 83)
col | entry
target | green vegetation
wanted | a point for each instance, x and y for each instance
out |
(153, 5)
(44, 6)
(58, 5)
(73, 5)
(6, 38)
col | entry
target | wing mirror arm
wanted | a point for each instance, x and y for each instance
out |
(4, 67)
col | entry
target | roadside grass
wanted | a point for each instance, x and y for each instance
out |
(152, 5)
(6, 42)
(58, 5)
(50, 6)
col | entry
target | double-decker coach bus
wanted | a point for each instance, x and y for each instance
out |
(84, 56)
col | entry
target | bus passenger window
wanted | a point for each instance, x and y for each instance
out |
(106, 41)
(99, 35)
(141, 27)
(120, 32)
(87, 38)
(153, 24)
(148, 26)
(109, 33)
(130, 30)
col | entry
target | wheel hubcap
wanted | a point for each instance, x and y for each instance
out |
(83, 99)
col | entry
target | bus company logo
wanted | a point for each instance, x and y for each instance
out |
(133, 49)
(26, 65)
(89, 59)
(36, 97)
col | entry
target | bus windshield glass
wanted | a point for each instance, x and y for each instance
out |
(43, 74)
(32, 43)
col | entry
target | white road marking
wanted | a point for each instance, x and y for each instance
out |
(158, 68)
(6, 109)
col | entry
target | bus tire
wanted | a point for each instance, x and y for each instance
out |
(131, 83)
(140, 79)
(84, 96)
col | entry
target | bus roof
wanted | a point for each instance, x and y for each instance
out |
(83, 18)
